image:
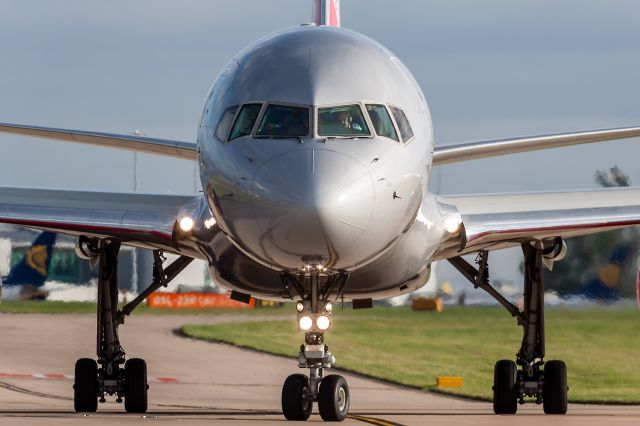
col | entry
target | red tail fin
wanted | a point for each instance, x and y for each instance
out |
(326, 12)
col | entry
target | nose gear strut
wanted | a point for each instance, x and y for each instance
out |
(299, 392)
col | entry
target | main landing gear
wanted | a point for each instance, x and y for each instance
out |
(299, 392)
(94, 380)
(529, 377)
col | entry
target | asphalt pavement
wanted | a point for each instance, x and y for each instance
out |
(195, 382)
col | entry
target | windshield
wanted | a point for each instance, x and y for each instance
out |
(282, 120)
(344, 120)
(382, 121)
(403, 123)
(222, 129)
(244, 122)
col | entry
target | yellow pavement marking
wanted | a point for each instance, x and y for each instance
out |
(373, 421)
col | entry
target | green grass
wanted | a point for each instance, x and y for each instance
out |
(601, 346)
(49, 307)
(37, 307)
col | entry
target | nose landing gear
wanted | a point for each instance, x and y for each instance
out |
(330, 392)
(299, 391)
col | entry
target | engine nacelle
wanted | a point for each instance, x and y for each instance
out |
(87, 248)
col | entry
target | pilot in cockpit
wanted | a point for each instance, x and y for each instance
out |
(348, 122)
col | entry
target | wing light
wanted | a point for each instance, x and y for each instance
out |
(452, 224)
(186, 223)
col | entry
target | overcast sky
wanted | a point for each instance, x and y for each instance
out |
(489, 69)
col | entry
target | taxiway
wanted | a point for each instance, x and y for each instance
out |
(195, 382)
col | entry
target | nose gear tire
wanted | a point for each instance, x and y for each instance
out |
(333, 398)
(295, 405)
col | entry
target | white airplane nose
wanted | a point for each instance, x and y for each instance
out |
(313, 205)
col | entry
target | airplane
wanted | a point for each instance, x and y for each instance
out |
(604, 285)
(26, 279)
(315, 147)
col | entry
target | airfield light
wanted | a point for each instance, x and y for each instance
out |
(328, 307)
(452, 225)
(305, 323)
(323, 322)
(299, 306)
(186, 224)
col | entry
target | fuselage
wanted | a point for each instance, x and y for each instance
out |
(315, 150)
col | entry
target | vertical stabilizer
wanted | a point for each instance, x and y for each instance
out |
(326, 12)
(33, 268)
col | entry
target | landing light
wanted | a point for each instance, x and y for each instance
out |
(323, 322)
(186, 224)
(305, 323)
(452, 225)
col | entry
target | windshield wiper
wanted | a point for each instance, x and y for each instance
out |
(298, 138)
(326, 138)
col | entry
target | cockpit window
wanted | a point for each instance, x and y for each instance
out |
(382, 122)
(222, 129)
(283, 120)
(344, 120)
(402, 122)
(245, 121)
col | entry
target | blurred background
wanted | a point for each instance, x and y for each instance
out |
(489, 69)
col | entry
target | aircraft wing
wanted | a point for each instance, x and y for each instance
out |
(496, 221)
(140, 220)
(473, 150)
(171, 148)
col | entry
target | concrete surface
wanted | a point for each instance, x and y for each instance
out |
(196, 382)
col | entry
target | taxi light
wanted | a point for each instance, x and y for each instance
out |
(299, 306)
(209, 223)
(323, 322)
(328, 307)
(186, 224)
(305, 323)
